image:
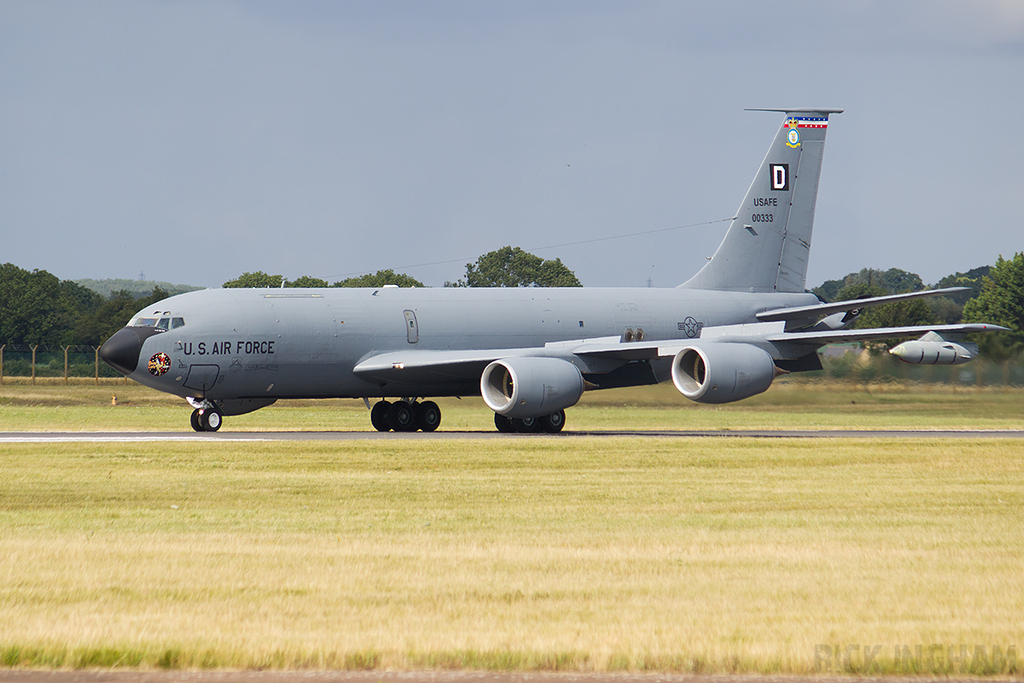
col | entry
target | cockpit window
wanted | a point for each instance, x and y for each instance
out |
(161, 323)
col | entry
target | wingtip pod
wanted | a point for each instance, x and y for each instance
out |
(767, 246)
(933, 349)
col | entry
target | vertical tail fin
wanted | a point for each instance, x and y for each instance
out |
(767, 244)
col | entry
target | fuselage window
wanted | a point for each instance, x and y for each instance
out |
(177, 322)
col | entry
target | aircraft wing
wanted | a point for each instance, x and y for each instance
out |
(416, 365)
(426, 366)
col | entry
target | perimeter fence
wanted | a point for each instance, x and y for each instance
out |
(860, 366)
(32, 362)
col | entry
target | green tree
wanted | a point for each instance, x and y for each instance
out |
(306, 281)
(80, 302)
(945, 310)
(112, 314)
(379, 279)
(1001, 302)
(949, 308)
(259, 279)
(897, 281)
(38, 308)
(861, 290)
(892, 281)
(973, 279)
(138, 288)
(897, 314)
(828, 290)
(513, 267)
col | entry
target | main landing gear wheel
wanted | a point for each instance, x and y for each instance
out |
(504, 424)
(552, 424)
(206, 419)
(401, 417)
(526, 425)
(428, 416)
(379, 416)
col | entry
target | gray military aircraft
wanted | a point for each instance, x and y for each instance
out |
(722, 336)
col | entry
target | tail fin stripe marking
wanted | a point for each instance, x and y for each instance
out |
(811, 123)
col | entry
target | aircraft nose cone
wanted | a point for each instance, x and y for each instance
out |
(121, 351)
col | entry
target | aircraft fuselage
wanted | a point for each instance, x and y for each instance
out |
(307, 343)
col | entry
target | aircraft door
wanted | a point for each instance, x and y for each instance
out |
(411, 327)
(201, 378)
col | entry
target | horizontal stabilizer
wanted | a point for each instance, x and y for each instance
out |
(820, 310)
(841, 336)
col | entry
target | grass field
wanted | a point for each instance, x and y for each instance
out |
(787, 405)
(551, 553)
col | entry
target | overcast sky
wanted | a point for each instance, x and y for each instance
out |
(193, 141)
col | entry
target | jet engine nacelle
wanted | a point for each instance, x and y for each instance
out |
(530, 386)
(722, 372)
(919, 352)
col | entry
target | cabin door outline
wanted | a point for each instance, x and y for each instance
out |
(412, 328)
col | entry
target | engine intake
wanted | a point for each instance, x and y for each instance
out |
(530, 386)
(722, 372)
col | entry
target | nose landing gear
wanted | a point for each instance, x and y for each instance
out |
(206, 417)
(206, 420)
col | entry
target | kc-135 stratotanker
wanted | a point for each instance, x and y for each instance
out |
(530, 353)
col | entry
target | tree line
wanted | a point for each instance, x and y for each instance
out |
(993, 294)
(37, 308)
(505, 267)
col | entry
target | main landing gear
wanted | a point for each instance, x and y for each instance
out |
(552, 424)
(405, 416)
(409, 416)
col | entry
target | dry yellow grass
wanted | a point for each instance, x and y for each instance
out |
(584, 554)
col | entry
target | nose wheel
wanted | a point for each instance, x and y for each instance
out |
(206, 419)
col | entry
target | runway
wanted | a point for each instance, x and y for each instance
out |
(228, 436)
